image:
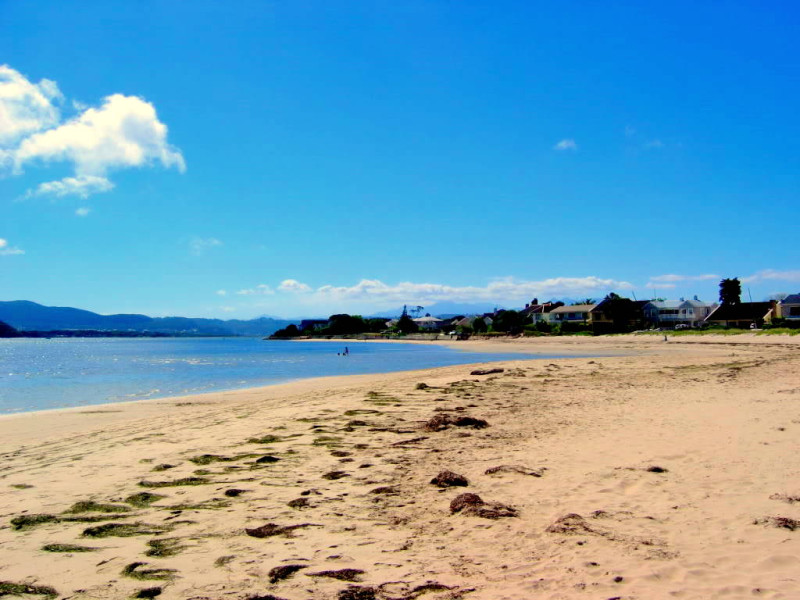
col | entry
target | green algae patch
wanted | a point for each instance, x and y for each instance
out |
(327, 440)
(134, 571)
(124, 530)
(9, 588)
(163, 467)
(265, 439)
(91, 506)
(214, 504)
(163, 548)
(25, 522)
(361, 411)
(143, 499)
(175, 482)
(67, 548)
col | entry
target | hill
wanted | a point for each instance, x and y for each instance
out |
(30, 316)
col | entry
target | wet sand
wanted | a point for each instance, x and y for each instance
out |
(658, 470)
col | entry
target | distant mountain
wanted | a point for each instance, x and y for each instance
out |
(30, 316)
(7, 331)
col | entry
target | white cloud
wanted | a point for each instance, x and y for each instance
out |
(672, 278)
(566, 144)
(222, 292)
(377, 294)
(25, 107)
(123, 132)
(773, 275)
(198, 246)
(83, 211)
(82, 186)
(505, 289)
(227, 309)
(6, 250)
(629, 131)
(654, 144)
(292, 285)
(259, 290)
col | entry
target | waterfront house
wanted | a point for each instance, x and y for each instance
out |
(669, 313)
(789, 308)
(742, 315)
(429, 323)
(536, 313)
(577, 313)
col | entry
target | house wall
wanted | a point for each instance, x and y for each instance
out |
(790, 311)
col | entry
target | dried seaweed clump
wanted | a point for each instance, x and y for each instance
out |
(443, 421)
(474, 506)
(570, 524)
(449, 479)
(358, 592)
(282, 572)
(779, 522)
(273, 529)
(340, 574)
(515, 469)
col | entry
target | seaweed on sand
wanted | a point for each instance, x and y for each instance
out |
(124, 530)
(134, 571)
(9, 588)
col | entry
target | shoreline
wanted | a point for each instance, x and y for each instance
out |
(672, 461)
(489, 349)
(567, 346)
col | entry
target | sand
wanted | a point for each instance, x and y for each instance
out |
(657, 470)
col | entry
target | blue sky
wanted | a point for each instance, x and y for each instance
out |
(304, 158)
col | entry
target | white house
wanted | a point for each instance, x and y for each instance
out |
(429, 322)
(669, 313)
(790, 307)
(577, 313)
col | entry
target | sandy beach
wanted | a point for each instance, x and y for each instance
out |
(654, 470)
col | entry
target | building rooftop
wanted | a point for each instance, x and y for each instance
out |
(740, 312)
(574, 308)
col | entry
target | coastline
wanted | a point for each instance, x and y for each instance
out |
(462, 346)
(718, 418)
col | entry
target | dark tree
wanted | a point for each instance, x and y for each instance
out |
(509, 321)
(376, 325)
(407, 325)
(344, 324)
(290, 331)
(479, 325)
(621, 311)
(730, 292)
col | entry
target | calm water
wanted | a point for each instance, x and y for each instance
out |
(38, 374)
